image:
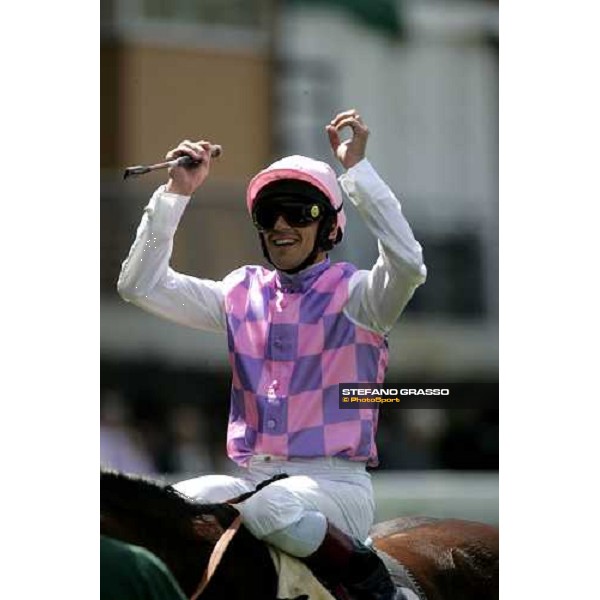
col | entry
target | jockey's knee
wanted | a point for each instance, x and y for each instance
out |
(212, 488)
(278, 516)
(270, 510)
(301, 538)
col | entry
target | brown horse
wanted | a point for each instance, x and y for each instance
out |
(444, 559)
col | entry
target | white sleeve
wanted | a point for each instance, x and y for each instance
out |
(147, 281)
(378, 297)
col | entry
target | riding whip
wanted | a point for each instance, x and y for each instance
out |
(183, 161)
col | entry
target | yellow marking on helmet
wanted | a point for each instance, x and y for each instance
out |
(314, 211)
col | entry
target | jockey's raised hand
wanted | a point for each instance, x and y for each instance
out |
(353, 150)
(186, 180)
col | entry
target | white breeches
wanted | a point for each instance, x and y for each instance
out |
(340, 490)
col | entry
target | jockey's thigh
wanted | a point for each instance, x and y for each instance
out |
(213, 488)
(342, 493)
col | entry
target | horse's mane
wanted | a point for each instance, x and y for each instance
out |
(181, 532)
(152, 514)
(126, 492)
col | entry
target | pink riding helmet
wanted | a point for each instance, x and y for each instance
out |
(315, 172)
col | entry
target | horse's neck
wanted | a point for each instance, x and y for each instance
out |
(246, 571)
(182, 547)
(183, 536)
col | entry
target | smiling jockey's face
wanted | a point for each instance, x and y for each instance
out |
(289, 246)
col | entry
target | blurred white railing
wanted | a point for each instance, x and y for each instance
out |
(455, 494)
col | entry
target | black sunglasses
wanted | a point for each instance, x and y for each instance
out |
(296, 213)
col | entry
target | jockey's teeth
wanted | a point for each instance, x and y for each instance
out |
(283, 242)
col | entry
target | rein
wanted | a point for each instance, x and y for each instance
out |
(217, 555)
(227, 537)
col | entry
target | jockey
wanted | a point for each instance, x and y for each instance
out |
(294, 333)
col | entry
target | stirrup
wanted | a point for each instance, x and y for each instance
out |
(345, 560)
(378, 585)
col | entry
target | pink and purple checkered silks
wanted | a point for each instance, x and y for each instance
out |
(290, 345)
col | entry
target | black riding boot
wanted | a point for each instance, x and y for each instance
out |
(342, 559)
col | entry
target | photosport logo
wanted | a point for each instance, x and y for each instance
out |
(418, 395)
